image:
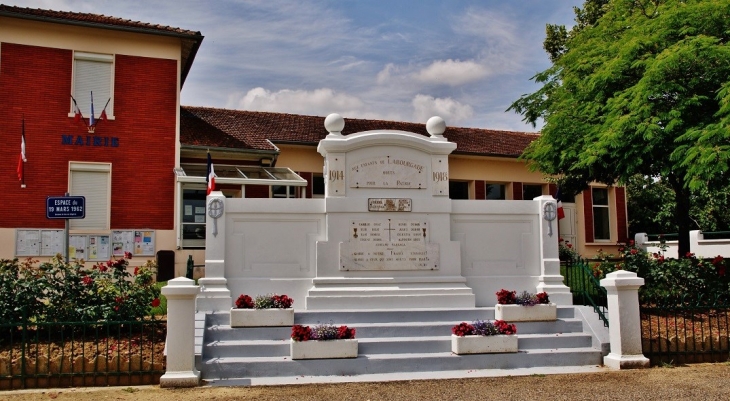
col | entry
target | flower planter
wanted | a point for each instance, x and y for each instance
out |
(520, 313)
(262, 317)
(483, 344)
(323, 349)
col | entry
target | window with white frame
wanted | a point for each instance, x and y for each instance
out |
(601, 224)
(92, 181)
(93, 73)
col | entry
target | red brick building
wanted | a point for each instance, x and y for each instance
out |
(124, 167)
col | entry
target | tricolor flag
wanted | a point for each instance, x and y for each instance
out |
(77, 111)
(22, 159)
(91, 117)
(103, 116)
(210, 178)
(561, 212)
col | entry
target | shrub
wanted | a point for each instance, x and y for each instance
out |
(57, 291)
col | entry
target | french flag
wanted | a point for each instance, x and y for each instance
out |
(210, 178)
(91, 118)
(561, 211)
(22, 159)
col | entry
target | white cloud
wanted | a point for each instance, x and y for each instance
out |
(319, 102)
(452, 72)
(453, 112)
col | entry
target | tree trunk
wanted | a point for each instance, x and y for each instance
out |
(681, 213)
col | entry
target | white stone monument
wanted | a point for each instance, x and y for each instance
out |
(388, 222)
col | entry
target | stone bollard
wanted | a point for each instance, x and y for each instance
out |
(180, 345)
(624, 321)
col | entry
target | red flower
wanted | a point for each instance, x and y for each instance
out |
(718, 259)
(87, 280)
(462, 329)
(345, 333)
(301, 333)
(244, 302)
(634, 251)
(504, 327)
(542, 297)
(102, 268)
(505, 297)
(127, 255)
(631, 242)
(156, 302)
(136, 270)
(119, 300)
(569, 245)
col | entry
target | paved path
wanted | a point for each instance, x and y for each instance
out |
(694, 382)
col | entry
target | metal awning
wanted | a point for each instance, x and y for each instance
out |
(240, 175)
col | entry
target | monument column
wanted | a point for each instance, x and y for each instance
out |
(551, 281)
(214, 294)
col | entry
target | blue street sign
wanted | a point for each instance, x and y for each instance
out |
(65, 207)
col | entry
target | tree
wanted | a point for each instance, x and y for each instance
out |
(637, 87)
(652, 207)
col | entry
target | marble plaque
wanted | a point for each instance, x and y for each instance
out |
(389, 205)
(389, 244)
(388, 172)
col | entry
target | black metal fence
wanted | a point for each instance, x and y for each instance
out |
(689, 330)
(75, 354)
(585, 288)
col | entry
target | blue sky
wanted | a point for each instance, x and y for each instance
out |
(464, 60)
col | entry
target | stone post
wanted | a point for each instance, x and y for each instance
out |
(180, 344)
(214, 293)
(551, 281)
(624, 321)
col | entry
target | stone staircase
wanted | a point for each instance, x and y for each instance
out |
(392, 343)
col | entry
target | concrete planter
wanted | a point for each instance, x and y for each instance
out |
(262, 317)
(483, 344)
(324, 349)
(520, 313)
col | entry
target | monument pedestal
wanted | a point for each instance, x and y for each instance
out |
(390, 293)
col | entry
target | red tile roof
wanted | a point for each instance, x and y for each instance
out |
(190, 39)
(204, 126)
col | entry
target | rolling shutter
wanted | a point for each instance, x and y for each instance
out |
(93, 182)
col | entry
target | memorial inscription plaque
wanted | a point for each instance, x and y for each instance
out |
(389, 205)
(388, 172)
(389, 244)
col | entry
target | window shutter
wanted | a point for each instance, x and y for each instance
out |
(93, 75)
(94, 185)
(480, 190)
(588, 214)
(516, 191)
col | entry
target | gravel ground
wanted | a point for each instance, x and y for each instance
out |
(693, 382)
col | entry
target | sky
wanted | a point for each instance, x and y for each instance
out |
(404, 60)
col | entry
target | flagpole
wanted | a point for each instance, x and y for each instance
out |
(22, 154)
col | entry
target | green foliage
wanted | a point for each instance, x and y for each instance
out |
(652, 204)
(263, 301)
(566, 251)
(641, 87)
(670, 279)
(57, 291)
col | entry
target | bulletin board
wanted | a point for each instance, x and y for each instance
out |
(136, 242)
(92, 247)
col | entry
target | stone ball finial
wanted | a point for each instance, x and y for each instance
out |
(334, 123)
(436, 126)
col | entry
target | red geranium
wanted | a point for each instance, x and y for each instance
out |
(463, 329)
(244, 302)
(301, 333)
(504, 327)
(156, 302)
(345, 333)
(505, 297)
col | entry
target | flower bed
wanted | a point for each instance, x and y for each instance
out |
(482, 337)
(263, 311)
(323, 341)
